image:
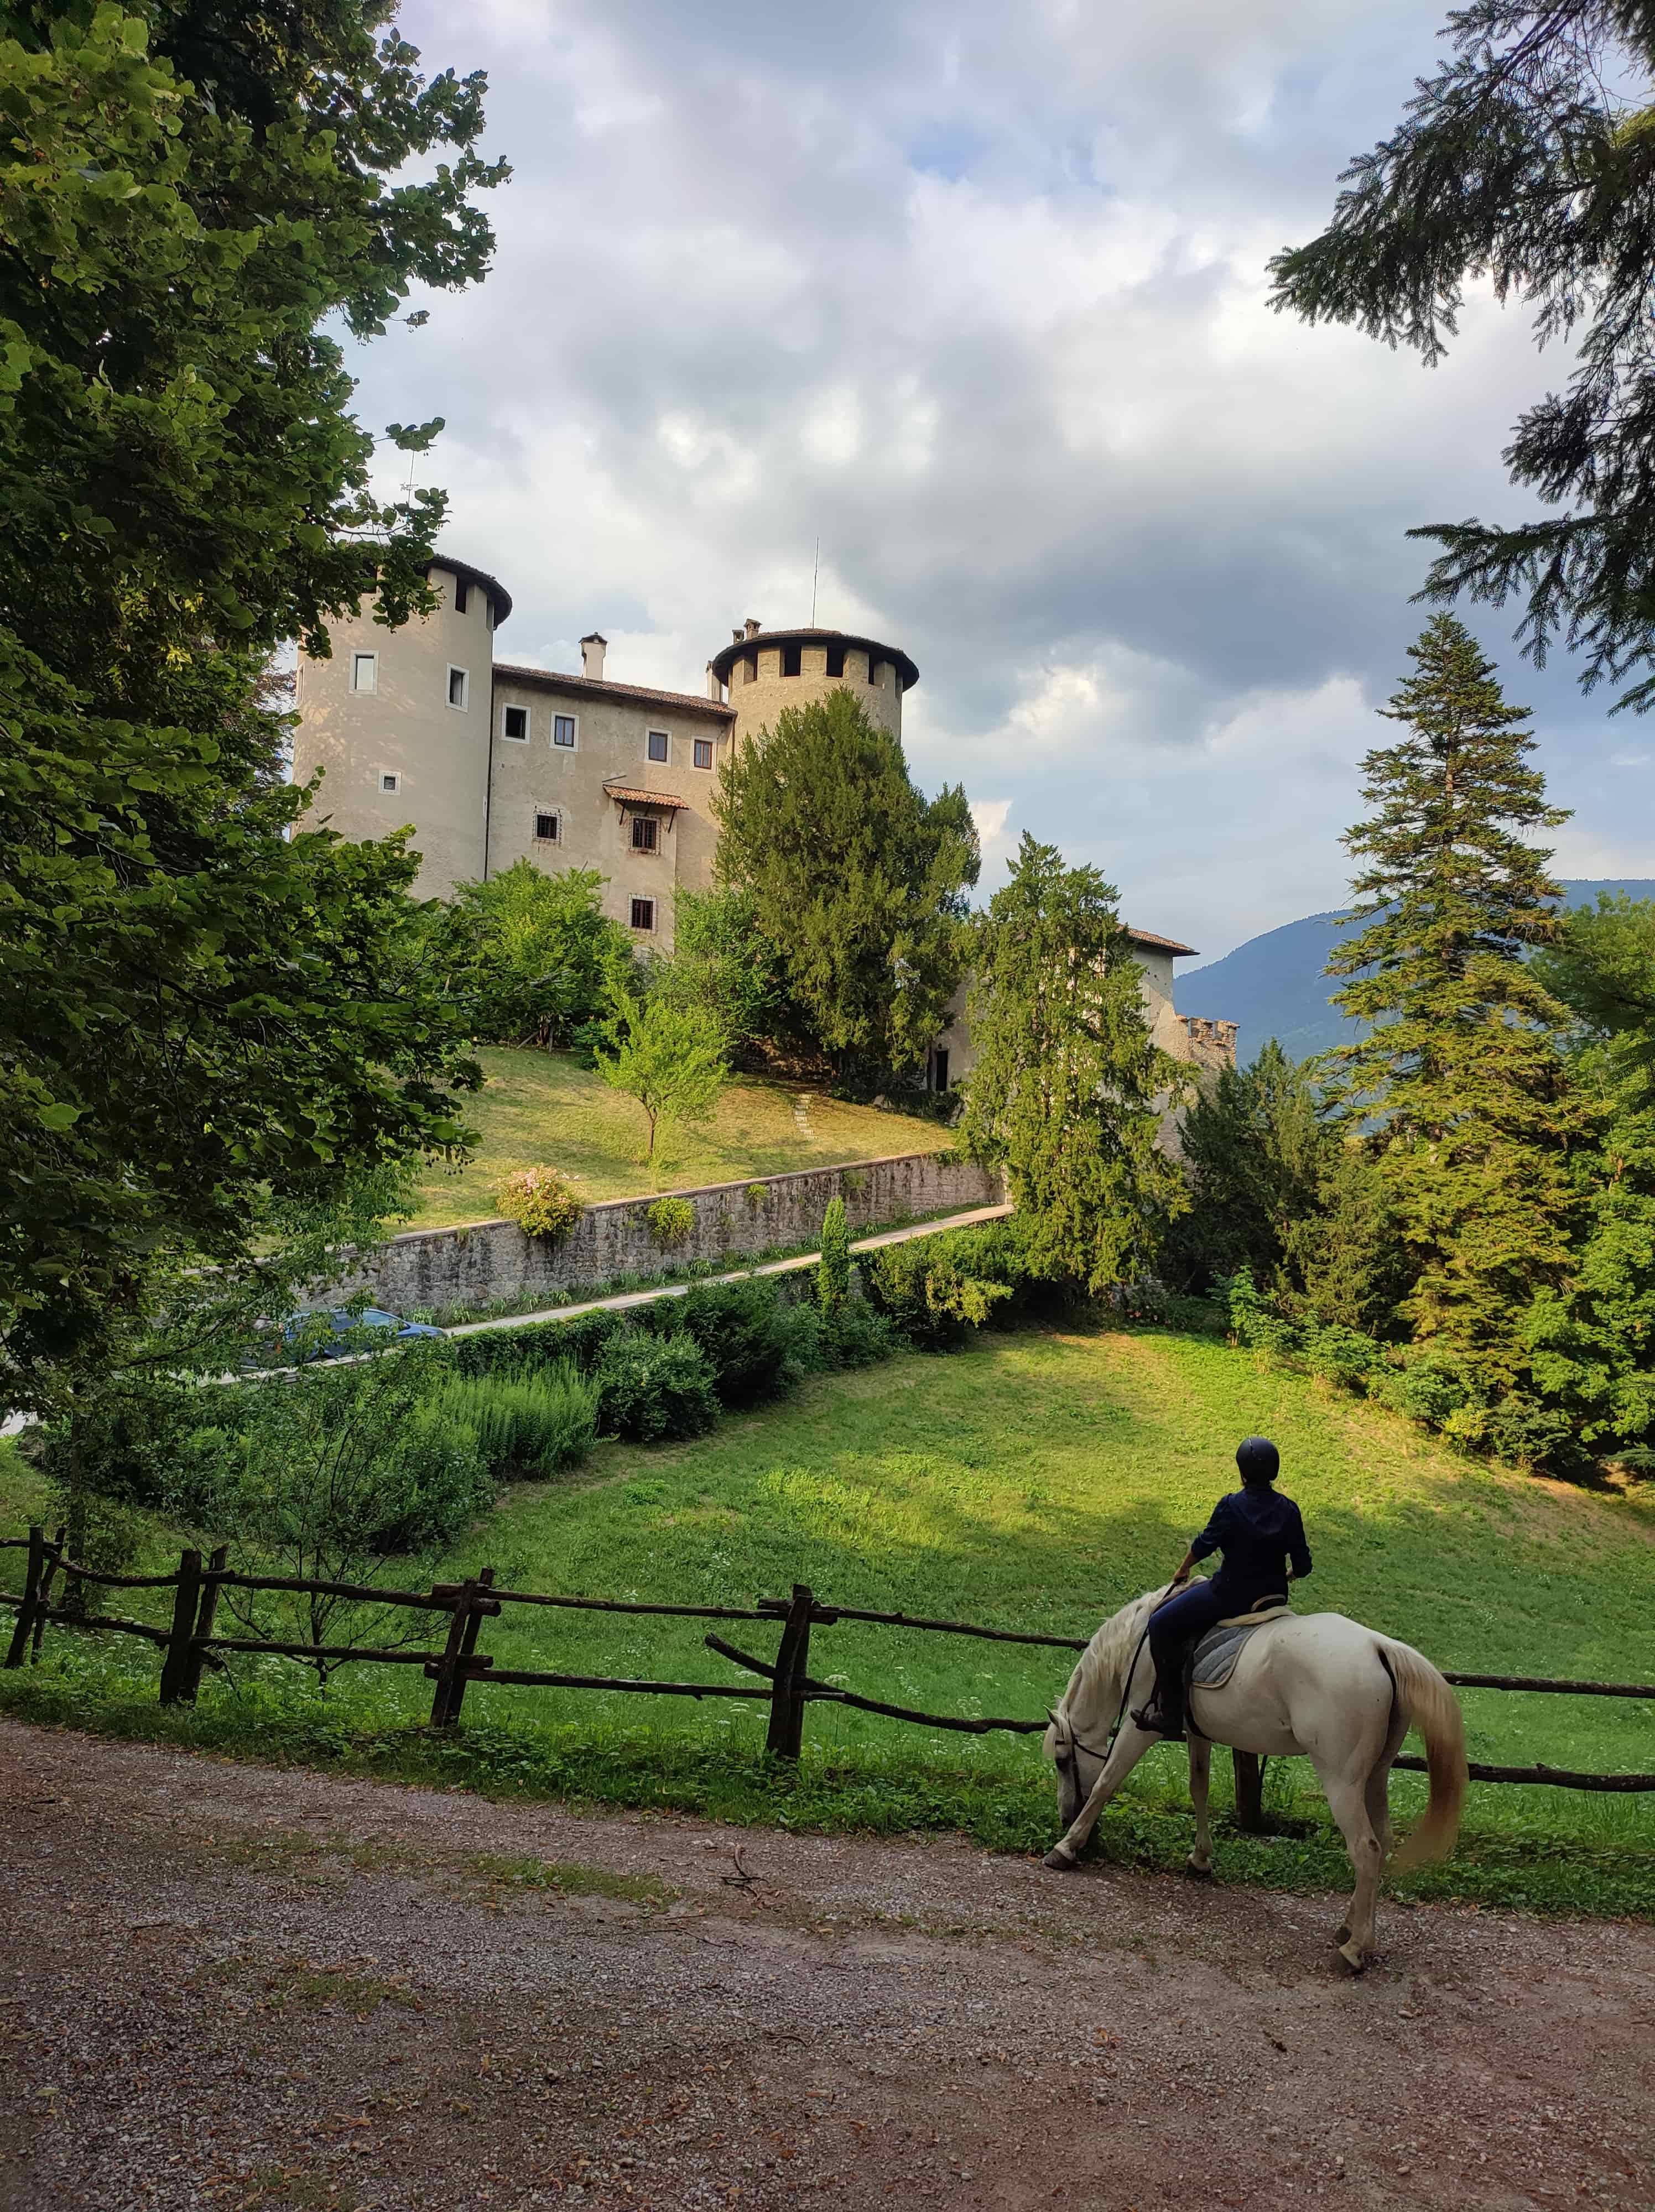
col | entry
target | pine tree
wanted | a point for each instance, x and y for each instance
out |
(1460, 1082)
(1064, 1092)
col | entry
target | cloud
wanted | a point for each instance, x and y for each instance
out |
(977, 297)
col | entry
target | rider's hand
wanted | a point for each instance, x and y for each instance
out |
(1181, 1578)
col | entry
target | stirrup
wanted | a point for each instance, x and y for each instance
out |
(1153, 1721)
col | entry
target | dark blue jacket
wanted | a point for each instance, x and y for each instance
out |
(1258, 1531)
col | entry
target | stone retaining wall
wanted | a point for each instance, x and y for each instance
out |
(486, 1260)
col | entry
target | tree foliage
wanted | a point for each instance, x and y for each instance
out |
(198, 1010)
(664, 1056)
(855, 879)
(530, 957)
(1257, 1150)
(1064, 1093)
(723, 966)
(1477, 1115)
(1527, 160)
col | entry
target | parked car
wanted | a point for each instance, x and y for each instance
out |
(303, 1331)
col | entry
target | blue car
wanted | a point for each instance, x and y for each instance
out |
(392, 1326)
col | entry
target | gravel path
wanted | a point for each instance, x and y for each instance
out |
(228, 1986)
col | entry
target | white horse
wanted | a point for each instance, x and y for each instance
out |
(1311, 1683)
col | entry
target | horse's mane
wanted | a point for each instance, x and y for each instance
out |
(1106, 1658)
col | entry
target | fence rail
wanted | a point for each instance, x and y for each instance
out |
(189, 1645)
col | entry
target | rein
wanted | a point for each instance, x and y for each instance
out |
(1091, 1750)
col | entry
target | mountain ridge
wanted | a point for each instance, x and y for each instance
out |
(1273, 986)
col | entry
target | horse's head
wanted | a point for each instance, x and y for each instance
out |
(1084, 1717)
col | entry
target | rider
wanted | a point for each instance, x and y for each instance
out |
(1259, 1533)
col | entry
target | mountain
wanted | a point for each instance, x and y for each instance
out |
(1273, 986)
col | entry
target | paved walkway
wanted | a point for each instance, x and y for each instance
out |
(740, 1274)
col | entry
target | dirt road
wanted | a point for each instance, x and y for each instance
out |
(232, 1987)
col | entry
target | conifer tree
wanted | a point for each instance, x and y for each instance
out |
(1064, 1093)
(1460, 1081)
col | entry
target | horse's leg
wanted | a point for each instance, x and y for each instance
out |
(1379, 1780)
(1131, 1746)
(1199, 1861)
(1348, 1802)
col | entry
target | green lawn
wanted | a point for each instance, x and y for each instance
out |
(1035, 1480)
(540, 1109)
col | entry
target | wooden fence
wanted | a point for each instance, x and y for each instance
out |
(785, 1685)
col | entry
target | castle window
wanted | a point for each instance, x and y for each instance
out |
(462, 595)
(643, 913)
(545, 828)
(875, 670)
(459, 684)
(514, 724)
(389, 782)
(658, 744)
(750, 669)
(562, 731)
(364, 671)
(703, 752)
(790, 662)
(835, 657)
(646, 832)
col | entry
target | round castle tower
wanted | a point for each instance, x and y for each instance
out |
(762, 671)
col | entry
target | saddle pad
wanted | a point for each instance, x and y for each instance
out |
(1216, 1655)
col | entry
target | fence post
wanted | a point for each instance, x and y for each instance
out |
(787, 1730)
(31, 1600)
(1249, 1792)
(54, 1560)
(175, 1669)
(474, 1614)
(196, 1659)
(449, 1672)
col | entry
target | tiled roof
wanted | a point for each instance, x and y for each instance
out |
(1160, 943)
(724, 662)
(683, 702)
(643, 798)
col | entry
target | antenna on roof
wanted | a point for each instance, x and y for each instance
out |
(815, 572)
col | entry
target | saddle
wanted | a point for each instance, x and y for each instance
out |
(1213, 1661)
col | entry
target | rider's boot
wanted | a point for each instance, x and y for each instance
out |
(1164, 1715)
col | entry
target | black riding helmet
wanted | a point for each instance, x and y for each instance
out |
(1259, 1461)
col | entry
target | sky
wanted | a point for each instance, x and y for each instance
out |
(974, 295)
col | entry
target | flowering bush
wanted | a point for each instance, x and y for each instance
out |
(540, 1201)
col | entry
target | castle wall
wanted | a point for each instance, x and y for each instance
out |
(534, 776)
(403, 727)
(759, 702)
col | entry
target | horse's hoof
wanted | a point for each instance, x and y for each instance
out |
(1059, 1860)
(1198, 1869)
(1355, 1957)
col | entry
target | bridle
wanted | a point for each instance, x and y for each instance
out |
(1069, 1743)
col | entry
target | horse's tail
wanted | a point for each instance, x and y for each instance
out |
(1433, 1708)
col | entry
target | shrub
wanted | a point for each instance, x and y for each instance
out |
(540, 1201)
(926, 1294)
(757, 1343)
(539, 1344)
(530, 1424)
(655, 1388)
(857, 1335)
(758, 1193)
(833, 1273)
(671, 1220)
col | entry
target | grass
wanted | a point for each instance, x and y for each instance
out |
(539, 1109)
(1035, 1480)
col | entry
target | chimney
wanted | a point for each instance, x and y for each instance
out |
(753, 627)
(592, 655)
(737, 636)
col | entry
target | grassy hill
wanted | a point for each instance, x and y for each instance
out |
(1035, 1480)
(542, 1109)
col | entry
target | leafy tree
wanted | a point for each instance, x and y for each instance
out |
(665, 1058)
(1526, 161)
(1602, 966)
(724, 966)
(1475, 1114)
(532, 956)
(833, 1269)
(1257, 1149)
(330, 1476)
(198, 1010)
(1064, 1092)
(855, 878)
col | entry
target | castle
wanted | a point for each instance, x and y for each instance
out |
(493, 763)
